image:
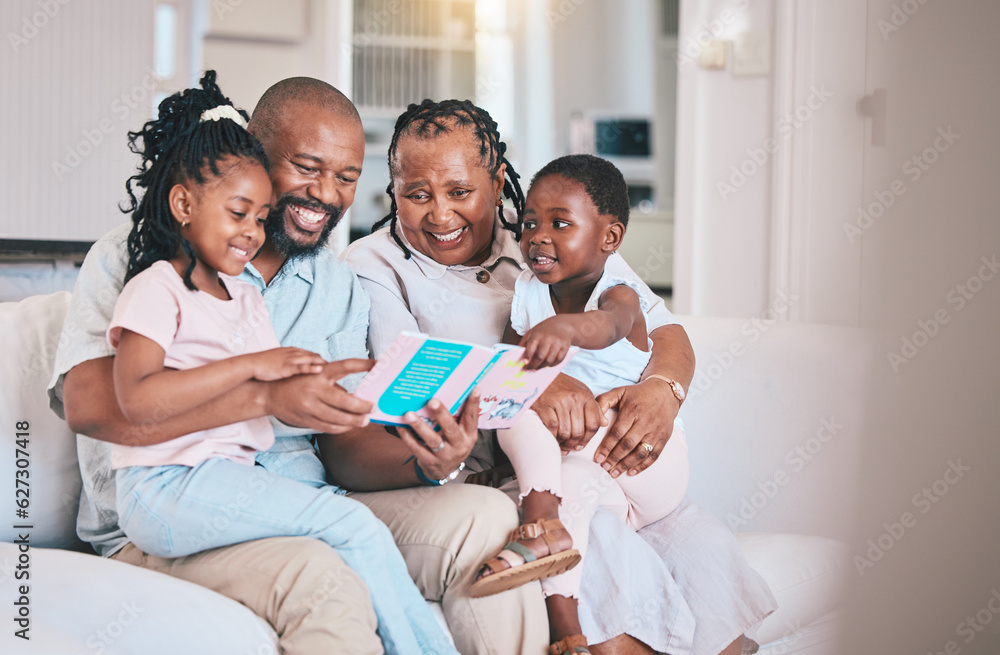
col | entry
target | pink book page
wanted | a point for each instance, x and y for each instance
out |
(416, 368)
(507, 390)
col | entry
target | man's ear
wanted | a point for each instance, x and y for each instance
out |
(613, 235)
(180, 200)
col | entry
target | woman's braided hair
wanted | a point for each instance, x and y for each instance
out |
(428, 120)
(175, 147)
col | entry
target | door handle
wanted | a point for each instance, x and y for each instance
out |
(874, 107)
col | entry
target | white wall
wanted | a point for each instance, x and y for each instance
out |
(75, 79)
(770, 165)
(602, 60)
(721, 246)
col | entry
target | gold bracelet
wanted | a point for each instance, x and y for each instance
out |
(675, 387)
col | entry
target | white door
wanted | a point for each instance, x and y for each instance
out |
(924, 573)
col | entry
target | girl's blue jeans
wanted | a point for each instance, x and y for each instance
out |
(173, 511)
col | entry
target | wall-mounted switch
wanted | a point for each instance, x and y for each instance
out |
(752, 53)
(713, 55)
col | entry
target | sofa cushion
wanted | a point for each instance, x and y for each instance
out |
(29, 334)
(86, 604)
(805, 574)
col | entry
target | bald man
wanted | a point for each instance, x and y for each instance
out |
(315, 145)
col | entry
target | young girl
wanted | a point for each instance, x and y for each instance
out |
(186, 332)
(575, 217)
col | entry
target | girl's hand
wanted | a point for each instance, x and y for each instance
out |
(281, 363)
(547, 343)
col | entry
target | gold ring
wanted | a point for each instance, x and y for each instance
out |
(647, 446)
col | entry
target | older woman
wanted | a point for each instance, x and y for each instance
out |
(446, 265)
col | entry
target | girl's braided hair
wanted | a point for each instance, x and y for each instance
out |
(428, 120)
(175, 147)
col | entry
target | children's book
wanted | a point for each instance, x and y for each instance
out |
(416, 368)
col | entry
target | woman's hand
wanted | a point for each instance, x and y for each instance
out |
(569, 411)
(281, 363)
(493, 477)
(646, 413)
(547, 343)
(440, 453)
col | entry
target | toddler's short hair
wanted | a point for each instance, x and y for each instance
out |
(602, 180)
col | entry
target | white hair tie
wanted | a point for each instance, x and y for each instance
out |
(223, 111)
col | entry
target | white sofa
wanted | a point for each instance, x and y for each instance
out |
(759, 395)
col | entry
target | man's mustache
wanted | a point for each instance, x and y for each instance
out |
(309, 203)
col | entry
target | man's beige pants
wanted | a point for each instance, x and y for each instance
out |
(317, 604)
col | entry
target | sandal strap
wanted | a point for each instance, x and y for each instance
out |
(499, 563)
(512, 555)
(537, 529)
(521, 550)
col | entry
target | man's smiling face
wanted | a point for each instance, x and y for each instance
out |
(316, 156)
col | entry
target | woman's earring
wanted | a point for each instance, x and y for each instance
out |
(185, 223)
(499, 202)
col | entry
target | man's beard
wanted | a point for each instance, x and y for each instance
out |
(278, 234)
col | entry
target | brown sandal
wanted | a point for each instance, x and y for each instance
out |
(516, 565)
(572, 645)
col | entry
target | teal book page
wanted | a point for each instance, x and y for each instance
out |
(416, 368)
(423, 377)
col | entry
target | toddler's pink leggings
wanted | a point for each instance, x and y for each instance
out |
(584, 486)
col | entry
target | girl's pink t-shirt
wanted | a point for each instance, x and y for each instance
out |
(194, 328)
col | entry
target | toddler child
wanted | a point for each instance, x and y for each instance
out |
(575, 216)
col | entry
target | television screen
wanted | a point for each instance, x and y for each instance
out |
(622, 138)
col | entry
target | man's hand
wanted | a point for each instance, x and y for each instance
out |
(440, 453)
(646, 413)
(569, 411)
(318, 402)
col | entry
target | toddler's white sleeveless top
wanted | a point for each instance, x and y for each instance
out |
(618, 365)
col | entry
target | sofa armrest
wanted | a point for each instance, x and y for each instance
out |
(84, 603)
(774, 423)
